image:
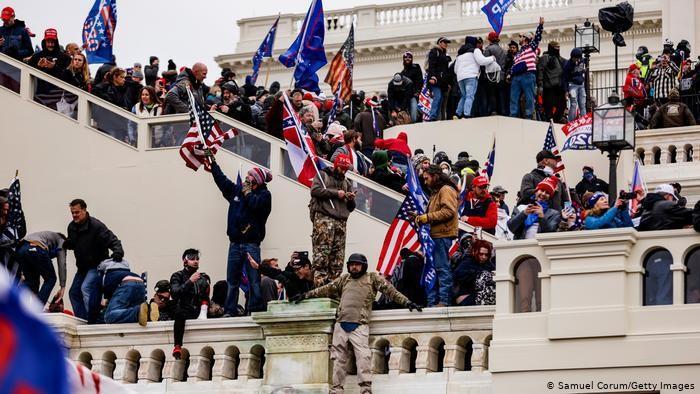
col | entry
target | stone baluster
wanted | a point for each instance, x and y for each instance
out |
(224, 368)
(378, 361)
(479, 357)
(199, 369)
(125, 370)
(454, 358)
(426, 361)
(399, 360)
(249, 367)
(150, 370)
(174, 370)
(103, 367)
(696, 153)
(664, 156)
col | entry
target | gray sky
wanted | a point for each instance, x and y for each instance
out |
(183, 30)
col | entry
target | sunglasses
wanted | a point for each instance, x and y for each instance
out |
(192, 257)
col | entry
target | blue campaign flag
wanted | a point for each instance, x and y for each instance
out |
(495, 10)
(98, 31)
(265, 50)
(307, 54)
(32, 357)
(420, 201)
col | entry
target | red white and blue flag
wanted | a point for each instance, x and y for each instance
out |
(264, 50)
(487, 171)
(550, 144)
(98, 31)
(579, 134)
(204, 133)
(425, 99)
(638, 186)
(300, 147)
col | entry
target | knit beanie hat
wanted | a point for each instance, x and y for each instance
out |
(380, 159)
(548, 185)
(261, 175)
(418, 159)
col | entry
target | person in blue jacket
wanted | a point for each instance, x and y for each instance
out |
(14, 38)
(601, 216)
(250, 204)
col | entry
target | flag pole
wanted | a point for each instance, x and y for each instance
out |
(267, 73)
(303, 142)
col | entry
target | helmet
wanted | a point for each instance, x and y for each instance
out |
(668, 42)
(231, 87)
(440, 157)
(358, 258)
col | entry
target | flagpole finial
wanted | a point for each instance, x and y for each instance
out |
(16, 173)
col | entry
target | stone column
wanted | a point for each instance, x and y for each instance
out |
(454, 358)
(249, 367)
(125, 370)
(378, 359)
(174, 370)
(399, 360)
(150, 370)
(297, 342)
(199, 368)
(224, 368)
(426, 361)
(103, 367)
(478, 357)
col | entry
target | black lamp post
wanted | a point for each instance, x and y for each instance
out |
(587, 37)
(613, 131)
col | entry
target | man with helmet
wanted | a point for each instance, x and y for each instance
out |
(332, 200)
(232, 104)
(644, 61)
(356, 291)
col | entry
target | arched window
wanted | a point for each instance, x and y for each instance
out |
(658, 278)
(528, 297)
(692, 277)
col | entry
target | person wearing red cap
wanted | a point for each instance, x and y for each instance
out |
(332, 201)
(539, 216)
(496, 81)
(634, 91)
(478, 209)
(51, 59)
(14, 38)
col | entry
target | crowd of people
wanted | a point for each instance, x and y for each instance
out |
(483, 79)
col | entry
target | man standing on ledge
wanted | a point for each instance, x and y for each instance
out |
(91, 241)
(356, 290)
(332, 200)
(524, 72)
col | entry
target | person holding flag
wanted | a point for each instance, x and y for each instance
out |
(264, 50)
(250, 204)
(523, 73)
(442, 217)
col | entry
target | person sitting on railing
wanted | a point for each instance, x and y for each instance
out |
(177, 101)
(473, 276)
(78, 73)
(161, 297)
(356, 291)
(125, 292)
(673, 113)
(113, 88)
(50, 59)
(600, 215)
(661, 211)
(537, 216)
(14, 38)
(149, 104)
(232, 104)
(297, 277)
(190, 289)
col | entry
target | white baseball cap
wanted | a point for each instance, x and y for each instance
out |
(665, 188)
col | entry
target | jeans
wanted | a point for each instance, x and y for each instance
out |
(84, 293)
(414, 109)
(237, 262)
(442, 291)
(659, 282)
(525, 84)
(467, 87)
(436, 106)
(577, 100)
(36, 263)
(125, 303)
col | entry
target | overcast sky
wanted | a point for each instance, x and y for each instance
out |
(183, 30)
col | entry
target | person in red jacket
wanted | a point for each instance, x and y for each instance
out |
(398, 150)
(478, 209)
(633, 90)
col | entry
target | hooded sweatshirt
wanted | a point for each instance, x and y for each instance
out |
(470, 59)
(62, 60)
(398, 144)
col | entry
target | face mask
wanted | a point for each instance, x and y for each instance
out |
(547, 170)
(446, 171)
(588, 175)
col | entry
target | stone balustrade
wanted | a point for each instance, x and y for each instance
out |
(288, 346)
(668, 146)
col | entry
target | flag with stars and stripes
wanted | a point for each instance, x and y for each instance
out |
(336, 105)
(98, 31)
(15, 217)
(340, 70)
(490, 160)
(204, 133)
(425, 99)
(550, 144)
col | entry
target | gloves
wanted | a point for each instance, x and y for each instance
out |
(422, 219)
(298, 298)
(412, 305)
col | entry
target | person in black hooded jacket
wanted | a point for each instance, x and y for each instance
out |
(413, 72)
(661, 211)
(151, 71)
(50, 59)
(14, 38)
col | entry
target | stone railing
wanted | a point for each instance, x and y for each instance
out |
(287, 347)
(668, 146)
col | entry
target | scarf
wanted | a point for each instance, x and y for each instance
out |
(533, 217)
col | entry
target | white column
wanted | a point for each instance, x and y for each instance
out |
(224, 368)
(679, 20)
(150, 370)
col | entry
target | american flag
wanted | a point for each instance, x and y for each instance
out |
(15, 218)
(404, 233)
(98, 31)
(336, 104)
(425, 99)
(637, 186)
(340, 70)
(490, 160)
(204, 133)
(550, 144)
(300, 147)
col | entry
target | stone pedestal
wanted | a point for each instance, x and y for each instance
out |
(297, 342)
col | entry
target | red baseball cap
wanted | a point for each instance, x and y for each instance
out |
(7, 13)
(480, 181)
(50, 34)
(342, 161)
(493, 36)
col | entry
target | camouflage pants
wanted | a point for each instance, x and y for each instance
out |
(328, 240)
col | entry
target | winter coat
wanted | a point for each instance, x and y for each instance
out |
(550, 69)
(613, 218)
(661, 214)
(238, 110)
(398, 144)
(480, 212)
(634, 90)
(188, 295)
(696, 217)
(574, 71)
(151, 74)
(497, 52)
(388, 179)
(247, 214)
(594, 185)
(273, 119)
(464, 276)
(548, 224)
(400, 95)
(91, 242)
(176, 100)
(529, 183)
(111, 93)
(415, 74)
(62, 59)
(438, 67)
(672, 114)
(75, 78)
(102, 71)
(17, 44)
(363, 125)
(467, 64)
(321, 197)
(293, 285)
(156, 110)
(442, 212)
